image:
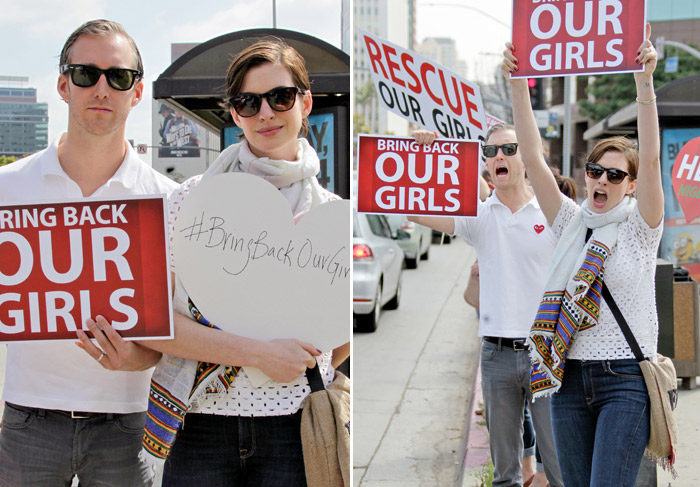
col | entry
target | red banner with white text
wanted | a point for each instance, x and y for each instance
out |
(577, 36)
(398, 175)
(65, 262)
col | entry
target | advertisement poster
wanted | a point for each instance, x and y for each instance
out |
(680, 243)
(178, 134)
(577, 36)
(398, 175)
(423, 92)
(63, 263)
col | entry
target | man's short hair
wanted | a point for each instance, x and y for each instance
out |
(99, 28)
(496, 128)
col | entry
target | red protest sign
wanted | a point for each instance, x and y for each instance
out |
(577, 36)
(398, 175)
(686, 179)
(65, 262)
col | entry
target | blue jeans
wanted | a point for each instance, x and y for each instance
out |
(238, 451)
(46, 448)
(600, 418)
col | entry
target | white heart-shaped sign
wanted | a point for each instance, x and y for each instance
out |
(251, 271)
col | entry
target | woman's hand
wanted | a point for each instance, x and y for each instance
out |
(647, 56)
(284, 360)
(509, 65)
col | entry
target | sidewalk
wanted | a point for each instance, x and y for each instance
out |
(687, 465)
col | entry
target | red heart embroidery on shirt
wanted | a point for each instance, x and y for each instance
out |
(539, 228)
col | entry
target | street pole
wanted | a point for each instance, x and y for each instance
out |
(274, 14)
(566, 161)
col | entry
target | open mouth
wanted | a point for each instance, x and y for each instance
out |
(600, 198)
(501, 171)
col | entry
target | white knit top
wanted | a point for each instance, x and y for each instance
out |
(629, 274)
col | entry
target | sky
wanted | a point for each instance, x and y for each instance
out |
(477, 26)
(34, 32)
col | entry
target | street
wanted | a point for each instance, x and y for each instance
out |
(413, 378)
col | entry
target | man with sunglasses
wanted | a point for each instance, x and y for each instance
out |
(514, 245)
(67, 414)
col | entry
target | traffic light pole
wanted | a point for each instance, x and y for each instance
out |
(566, 146)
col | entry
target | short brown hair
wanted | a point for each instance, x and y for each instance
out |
(99, 28)
(619, 144)
(271, 50)
(496, 128)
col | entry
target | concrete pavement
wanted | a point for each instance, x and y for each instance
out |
(411, 411)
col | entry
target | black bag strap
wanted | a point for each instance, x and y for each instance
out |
(621, 321)
(313, 375)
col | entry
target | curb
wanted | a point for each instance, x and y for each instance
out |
(477, 452)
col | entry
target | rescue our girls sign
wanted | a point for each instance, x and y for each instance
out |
(567, 37)
(424, 92)
(63, 263)
(398, 175)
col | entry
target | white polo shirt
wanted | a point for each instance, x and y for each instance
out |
(514, 252)
(59, 375)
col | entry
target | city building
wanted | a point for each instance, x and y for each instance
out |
(394, 21)
(443, 50)
(23, 121)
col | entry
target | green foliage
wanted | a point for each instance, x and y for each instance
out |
(359, 124)
(485, 477)
(6, 160)
(611, 92)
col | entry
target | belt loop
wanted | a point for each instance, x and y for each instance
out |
(500, 344)
(41, 413)
(109, 417)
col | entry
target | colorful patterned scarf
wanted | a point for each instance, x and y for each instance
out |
(166, 411)
(571, 301)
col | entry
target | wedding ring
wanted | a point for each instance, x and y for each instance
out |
(102, 355)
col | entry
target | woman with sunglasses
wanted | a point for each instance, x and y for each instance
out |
(600, 410)
(236, 433)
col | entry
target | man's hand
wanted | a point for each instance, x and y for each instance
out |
(113, 352)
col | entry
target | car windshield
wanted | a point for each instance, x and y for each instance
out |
(396, 221)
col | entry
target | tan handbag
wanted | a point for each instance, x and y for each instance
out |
(662, 387)
(325, 431)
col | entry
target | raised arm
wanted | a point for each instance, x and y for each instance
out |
(529, 141)
(650, 195)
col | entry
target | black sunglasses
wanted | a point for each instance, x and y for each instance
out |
(121, 79)
(595, 171)
(280, 100)
(492, 150)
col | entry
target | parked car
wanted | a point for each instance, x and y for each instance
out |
(441, 238)
(418, 246)
(377, 263)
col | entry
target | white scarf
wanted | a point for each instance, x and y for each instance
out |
(296, 180)
(571, 248)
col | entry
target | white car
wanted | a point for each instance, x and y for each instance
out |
(418, 246)
(377, 269)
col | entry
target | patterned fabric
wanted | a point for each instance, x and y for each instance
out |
(571, 299)
(560, 316)
(166, 412)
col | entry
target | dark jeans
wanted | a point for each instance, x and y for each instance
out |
(219, 451)
(45, 448)
(600, 418)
